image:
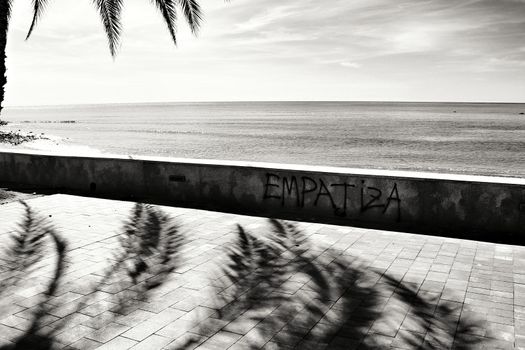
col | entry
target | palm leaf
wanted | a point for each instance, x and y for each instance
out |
(8, 8)
(28, 240)
(168, 10)
(110, 11)
(193, 13)
(5, 11)
(38, 9)
(150, 251)
(28, 246)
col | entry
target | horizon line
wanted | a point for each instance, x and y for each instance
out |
(256, 101)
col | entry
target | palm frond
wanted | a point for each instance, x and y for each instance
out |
(168, 10)
(28, 241)
(60, 247)
(110, 11)
(150, 250)
(150, 238)
(35, 238)
(8, 5)
(253, 270)
(169, 246)
(242, 257)
(29, 246)
(192, 12)
(289, 237)
(38, 9)
(294, 241)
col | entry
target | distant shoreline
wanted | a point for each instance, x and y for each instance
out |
(152, 103)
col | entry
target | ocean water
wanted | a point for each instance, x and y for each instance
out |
(471, 138)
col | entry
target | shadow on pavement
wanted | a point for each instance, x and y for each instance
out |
(150, 245)
(32, 241)
(276, 290)
(280, 292)
(148, 252)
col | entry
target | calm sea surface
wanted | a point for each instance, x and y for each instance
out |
(444, 137)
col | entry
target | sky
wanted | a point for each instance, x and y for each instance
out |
(252, 50)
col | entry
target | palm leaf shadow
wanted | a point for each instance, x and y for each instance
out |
(277, 284)
(253, 271)
(444, 327)
(292, 296)
(29, 246)
(150, 245)
(149, 252)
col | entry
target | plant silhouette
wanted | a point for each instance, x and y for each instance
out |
(282, 291)
(440, 320)
(26, 248)
(110, 13)
(277, 288)
(33, 238)
(150, 245)
(149, 251)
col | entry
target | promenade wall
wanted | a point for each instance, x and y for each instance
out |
(479, 207)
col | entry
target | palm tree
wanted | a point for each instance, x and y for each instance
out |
(5, 12)
(109, 11)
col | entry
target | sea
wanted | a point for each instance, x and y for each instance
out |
(461, 138)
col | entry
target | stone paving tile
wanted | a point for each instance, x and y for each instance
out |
(84, 344)
(118, 343)
(152, 342)
(152, 324)
(107, 332)
(324, 287)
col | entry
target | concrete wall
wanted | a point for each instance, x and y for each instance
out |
(478, 207)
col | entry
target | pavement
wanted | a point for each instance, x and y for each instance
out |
(85, 273)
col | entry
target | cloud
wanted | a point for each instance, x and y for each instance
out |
(333, 47)
(350, 64)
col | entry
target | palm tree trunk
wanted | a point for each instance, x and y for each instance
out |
(5, 9)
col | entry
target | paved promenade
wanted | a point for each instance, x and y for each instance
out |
(83, 273)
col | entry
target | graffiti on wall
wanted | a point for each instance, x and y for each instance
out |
(343, 197)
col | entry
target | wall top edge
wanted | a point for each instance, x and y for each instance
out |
(291, 167)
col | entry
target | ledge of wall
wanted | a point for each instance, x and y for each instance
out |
(473, 207)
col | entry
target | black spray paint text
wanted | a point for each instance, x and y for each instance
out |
(298, 190)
